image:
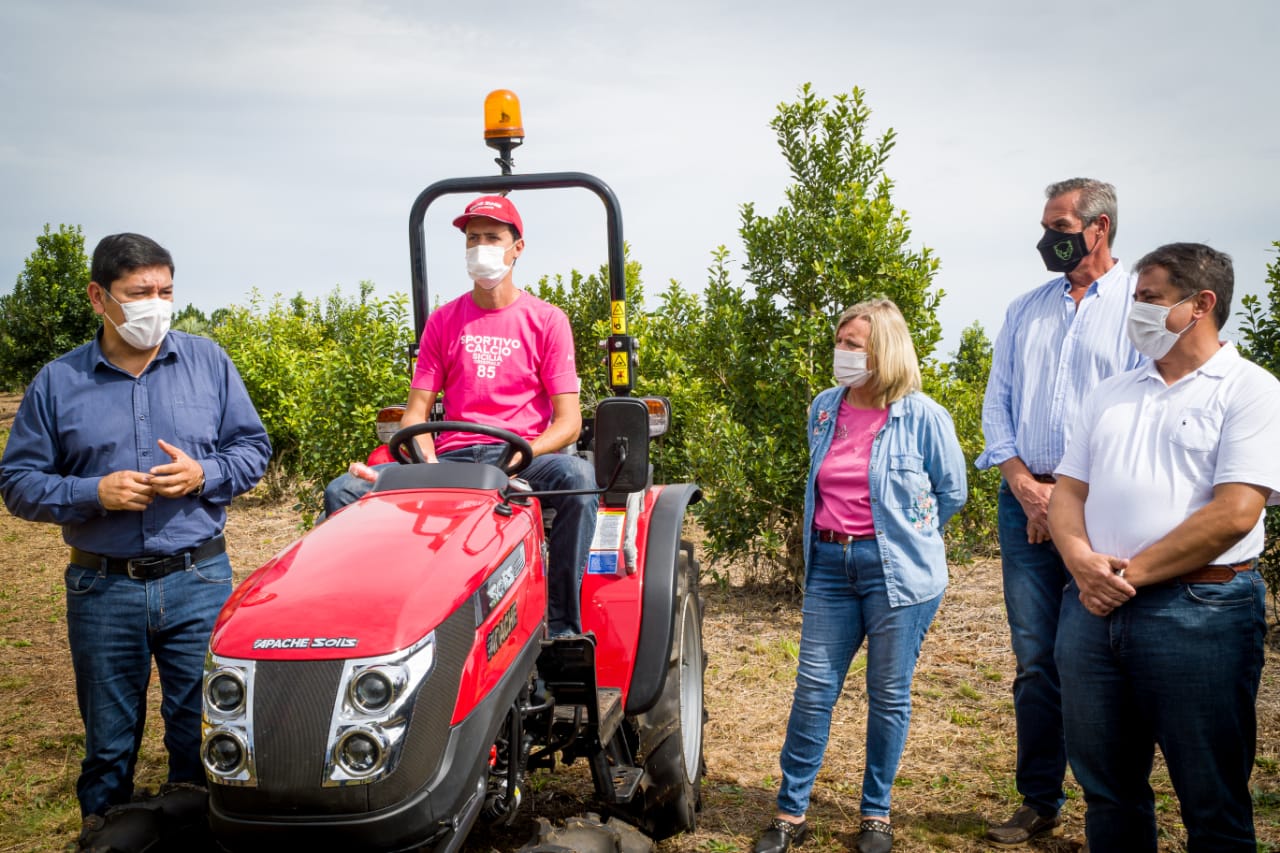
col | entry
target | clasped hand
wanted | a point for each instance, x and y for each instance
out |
(135, 490)
(1101, 582)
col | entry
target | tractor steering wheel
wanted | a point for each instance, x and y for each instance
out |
(406, 451)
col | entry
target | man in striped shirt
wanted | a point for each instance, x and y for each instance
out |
(1057, 343)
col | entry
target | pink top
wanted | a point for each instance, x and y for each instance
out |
(497, 367)
(843, 487)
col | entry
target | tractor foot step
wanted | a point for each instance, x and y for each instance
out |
(626, 781)
(609, 709)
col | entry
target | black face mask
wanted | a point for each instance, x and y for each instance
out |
(1062, 252)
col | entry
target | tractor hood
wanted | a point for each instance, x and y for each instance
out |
(373, 579)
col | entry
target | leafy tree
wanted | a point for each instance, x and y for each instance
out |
(48, 312)
(759, 352)
(318, 371)
(191, 320)
(1261, 328)
(959, 386)
(586, 301)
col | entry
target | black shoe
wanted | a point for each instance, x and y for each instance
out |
(874, 836)
(1025, 825)
(780, 835)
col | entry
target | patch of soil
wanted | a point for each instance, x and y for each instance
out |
(956, 773)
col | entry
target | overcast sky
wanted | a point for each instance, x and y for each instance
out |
(280, 145)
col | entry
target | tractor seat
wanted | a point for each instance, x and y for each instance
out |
(441, 475)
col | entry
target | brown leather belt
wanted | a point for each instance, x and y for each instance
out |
(1212, 574)
(841, 538)
(1044, 478)
(150, 568)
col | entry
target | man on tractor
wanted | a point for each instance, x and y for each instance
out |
(504, 358)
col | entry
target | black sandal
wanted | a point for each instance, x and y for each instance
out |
(780, 835)
(874, 836)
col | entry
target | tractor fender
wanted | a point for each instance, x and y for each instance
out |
(653, 648)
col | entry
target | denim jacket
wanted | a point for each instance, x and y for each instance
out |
(918, 482)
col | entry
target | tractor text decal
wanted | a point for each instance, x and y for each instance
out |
(498, 636)
(305, 643)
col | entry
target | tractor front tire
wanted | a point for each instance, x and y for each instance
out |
(669, 734)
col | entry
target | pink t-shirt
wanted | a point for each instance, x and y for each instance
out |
(844, 486)
(499, 368)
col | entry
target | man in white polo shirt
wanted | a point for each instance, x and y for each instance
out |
(1158, 516)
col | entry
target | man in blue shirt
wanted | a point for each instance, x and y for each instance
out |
(1057, 343)
(135, 443)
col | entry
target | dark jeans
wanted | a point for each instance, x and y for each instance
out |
(569, 542)
(1179, 666)
(115, 626)
(1034, 577)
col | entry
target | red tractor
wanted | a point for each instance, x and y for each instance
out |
(387, 680)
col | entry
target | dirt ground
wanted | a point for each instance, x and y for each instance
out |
(956, 775)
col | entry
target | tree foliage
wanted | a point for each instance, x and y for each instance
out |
(318, 371)
(959, 386)
(586, 301)
(756, 353)
(191, 320)
(48, 312)
(1261, 328)
(742, 361)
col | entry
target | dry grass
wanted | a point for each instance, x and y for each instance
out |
(956, 775)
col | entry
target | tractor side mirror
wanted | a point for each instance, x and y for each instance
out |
(622, 444)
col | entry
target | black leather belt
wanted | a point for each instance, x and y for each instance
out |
(150, 568)
(841, 538)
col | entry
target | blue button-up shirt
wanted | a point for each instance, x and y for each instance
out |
(83, 418)
(917, 482)
(1048, 356)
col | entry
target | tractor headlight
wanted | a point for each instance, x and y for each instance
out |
(659, 415)
(226, 749)
(371, 713)
(389, 422)
(224, 753)
(360, 752)
(224, 691)
(372, 690)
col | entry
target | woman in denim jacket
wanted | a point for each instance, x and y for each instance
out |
(886, 472)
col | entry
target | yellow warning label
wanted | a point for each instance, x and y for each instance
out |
(618, 317)
(617, 368)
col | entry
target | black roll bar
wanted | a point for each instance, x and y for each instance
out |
(620, 346)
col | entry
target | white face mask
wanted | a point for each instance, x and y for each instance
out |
(851, 368)
(486, 266)
(146, 321)
(1148, 332)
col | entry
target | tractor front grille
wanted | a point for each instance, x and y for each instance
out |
(293, 704)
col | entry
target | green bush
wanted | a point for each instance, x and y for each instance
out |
(741, 362)
(959, 386)
(754, 355)
(1261, 328)
(48, 312)
(318, 371)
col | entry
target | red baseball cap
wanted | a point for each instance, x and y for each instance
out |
(494, 207)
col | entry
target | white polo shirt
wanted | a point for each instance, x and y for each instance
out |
(1152, 453)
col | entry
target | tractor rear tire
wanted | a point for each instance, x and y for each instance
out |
(669, 734)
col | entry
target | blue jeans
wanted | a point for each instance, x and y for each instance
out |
(569, 542)
(1179, 666)
(115, 627)
(844, 601)
(1034, 577)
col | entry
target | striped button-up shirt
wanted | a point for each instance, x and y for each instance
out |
(1049, 355)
